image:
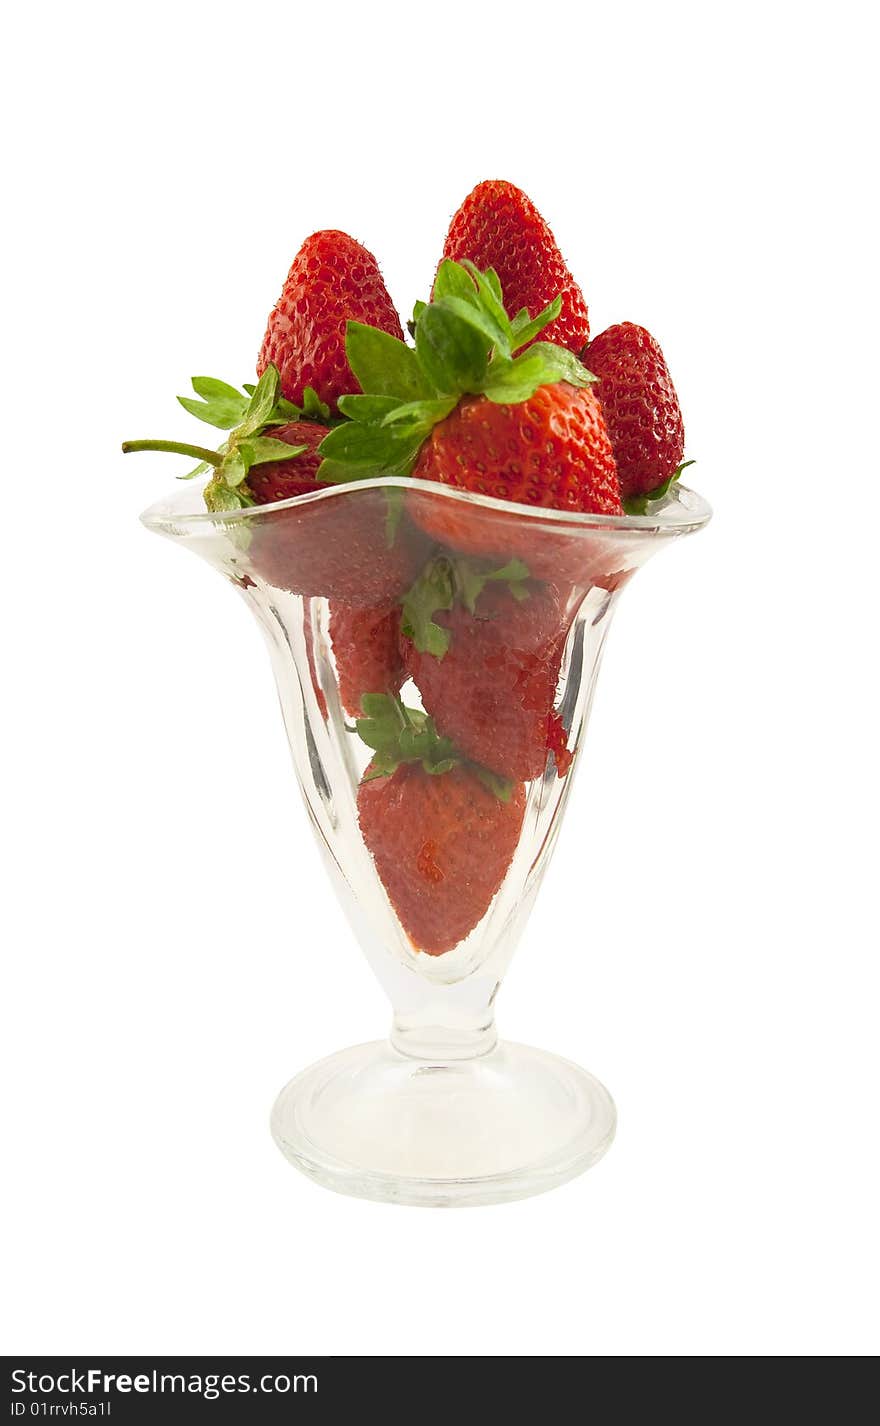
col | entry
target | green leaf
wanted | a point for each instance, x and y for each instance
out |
(313, 408)
(470, 579)
(438, 768)
(638, 504)
(498, 786)
(335, 472)
(213, 414)
(259, 449)
(434, 589)
(210, 389)
(262, 402)
(446, 581)
(380, 728)
(377, 769)
(383, 365)
(286, 408)
(222, 405)
(436, 754)
(408, 448)
(452, 354)
(378, 705)
(510, 382)
(359, 452)
(493, 282)
(528, 330)
(421, 414)
(468, 584)
(368, 410)
(198, 470)
(414, 742)
(221, 497)
(514, 574)
(234, 468)
(452, 280)
(490, 297)
(474, 297)
(284, 411)
(359, 445)
(418, 309)
(562, 365)
(476, 316)
(397, 734)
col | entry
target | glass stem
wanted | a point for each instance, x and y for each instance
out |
(440, 1032)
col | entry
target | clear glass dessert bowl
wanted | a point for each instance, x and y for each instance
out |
(442, 1112)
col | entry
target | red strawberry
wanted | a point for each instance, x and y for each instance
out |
(442, 844)
(498, 226)
(640, 406)
(493, 689)
(352, 545)
(367, 652)
(334, 548)
(332, 279)
(338, 548)
(551, 451)
(282, 479)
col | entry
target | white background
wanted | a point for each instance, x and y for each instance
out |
(706, 939)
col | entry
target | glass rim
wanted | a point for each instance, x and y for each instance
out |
(681, 511)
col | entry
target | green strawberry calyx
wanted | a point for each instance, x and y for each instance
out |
(397, 734)
(465, 344)
(445, 581)
(638, 504)
(249, 416)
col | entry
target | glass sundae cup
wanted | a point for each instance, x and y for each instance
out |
(436, 859)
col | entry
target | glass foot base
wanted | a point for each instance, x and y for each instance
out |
(374, 1123)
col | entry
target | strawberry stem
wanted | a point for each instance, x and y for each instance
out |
(179, 448)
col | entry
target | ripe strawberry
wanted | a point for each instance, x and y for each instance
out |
(353, 546)
(366, 647)
(482, 407)
(283, 479)
(493, 689)
(551, 451)
(278, 550)
(343, 548)
(442, 844)
(332, 279)
(498, 226)
(640, 407)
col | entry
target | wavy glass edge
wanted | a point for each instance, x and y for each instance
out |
(682, 510)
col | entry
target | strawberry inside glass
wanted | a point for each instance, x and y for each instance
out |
(433, 535)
